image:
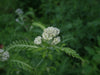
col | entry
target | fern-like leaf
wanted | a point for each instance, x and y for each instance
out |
(70, 52)
(22, 65)
(21, 44)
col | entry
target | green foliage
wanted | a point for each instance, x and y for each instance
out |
(93, 59)
(79, 22)
(23, 65)
(45, 53)
(71, 52)
(21, 44)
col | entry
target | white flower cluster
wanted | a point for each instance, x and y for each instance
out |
(38, 40)
(49, 33)
(19, 11)
(4, 55)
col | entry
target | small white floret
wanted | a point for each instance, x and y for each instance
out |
(37, 40)
(56, 41)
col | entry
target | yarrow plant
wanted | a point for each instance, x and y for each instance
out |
(49, 34)
(45, 47)
(4, 55)
(23, 19)
(20, 18)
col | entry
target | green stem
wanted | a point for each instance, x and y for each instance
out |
(39, 63)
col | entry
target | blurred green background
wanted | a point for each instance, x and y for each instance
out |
(78, 20)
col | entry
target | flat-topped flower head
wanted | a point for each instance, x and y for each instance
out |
(50, 33)
(38, 40)
(49, 36)
(46, 36)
